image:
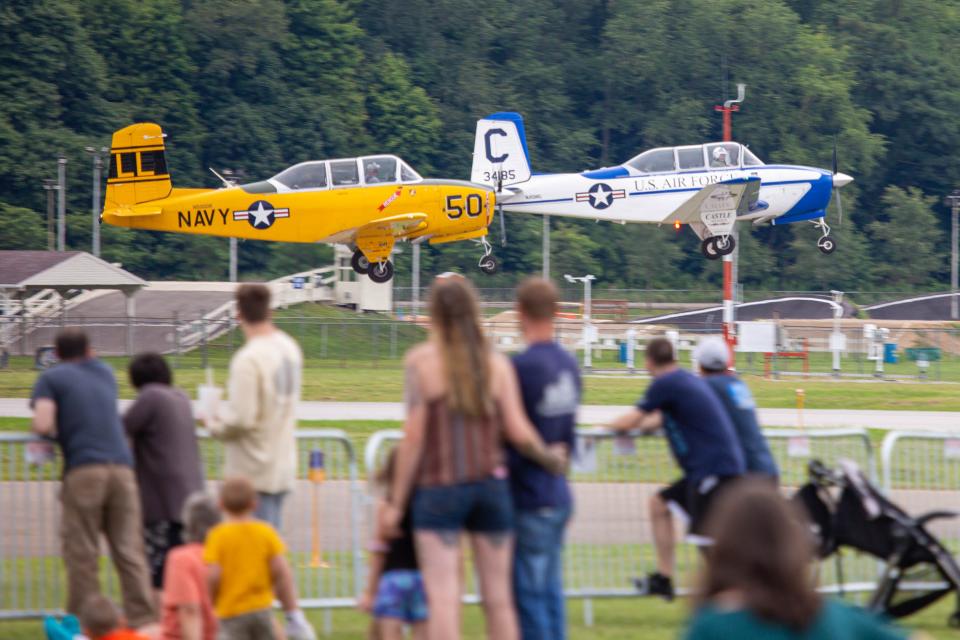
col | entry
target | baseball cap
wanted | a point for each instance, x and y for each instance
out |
(712, 354)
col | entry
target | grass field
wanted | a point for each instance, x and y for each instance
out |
(620, 619)
(327, 380)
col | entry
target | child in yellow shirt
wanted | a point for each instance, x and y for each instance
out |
(247, 568)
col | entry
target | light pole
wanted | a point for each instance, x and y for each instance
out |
(95, 207)
(837, 339)
(415, 282)
(729, 268)
(49, 186)
(230, 175)
(546, 247)
(587, 328)
(61, 204)
(954, 201)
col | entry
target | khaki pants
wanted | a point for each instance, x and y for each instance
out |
(102, 498)
(256, 625)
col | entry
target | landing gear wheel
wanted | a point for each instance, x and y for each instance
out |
(725, 245)
(709, 248)
(488, 264)
(827, 245)
(381, 272)
(359, 262)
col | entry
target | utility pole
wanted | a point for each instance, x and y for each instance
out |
(587, 327)
(95, 207)
(546, 247)
(61, 204)
(729, 268)
(954, 201)
(232, 176)
(415, 282)
(49, 186)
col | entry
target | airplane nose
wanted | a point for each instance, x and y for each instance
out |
(841, 180)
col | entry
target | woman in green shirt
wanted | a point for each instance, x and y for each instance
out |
(758, 581)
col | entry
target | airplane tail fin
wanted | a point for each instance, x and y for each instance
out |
(500, 155)
(138, 167)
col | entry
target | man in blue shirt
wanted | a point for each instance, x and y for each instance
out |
(550, 386)
(75, 403)
(713, 357)
(703, 442)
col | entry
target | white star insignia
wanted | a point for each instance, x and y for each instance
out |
(261, 216)
(601, 196)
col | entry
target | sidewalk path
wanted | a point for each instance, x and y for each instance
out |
(938, 421)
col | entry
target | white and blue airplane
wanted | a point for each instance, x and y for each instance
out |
(709, 187)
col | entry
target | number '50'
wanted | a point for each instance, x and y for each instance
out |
(474, 206)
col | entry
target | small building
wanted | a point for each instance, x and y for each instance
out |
(356, 290)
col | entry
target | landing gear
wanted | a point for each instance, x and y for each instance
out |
(717, 246)
(487, 264)
(381, 272)
(826, 244)
(359, 262)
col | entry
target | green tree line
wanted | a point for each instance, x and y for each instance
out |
(256, 85)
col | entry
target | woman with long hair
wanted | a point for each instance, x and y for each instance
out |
(463, 401)
(758, 580)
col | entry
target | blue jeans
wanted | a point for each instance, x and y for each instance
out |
(538, 572)
(269, 507)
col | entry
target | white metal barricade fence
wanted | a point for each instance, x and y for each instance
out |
(921, 473)
(609, 541)
(322, 521)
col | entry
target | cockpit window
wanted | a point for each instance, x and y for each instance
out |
(690, 158)
(379, 170)
(750, 160)
(407, 174)
(308, 175)
(344, 173)
(654, 161)
(723, 155)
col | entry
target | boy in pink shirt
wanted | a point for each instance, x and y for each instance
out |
(187, 609)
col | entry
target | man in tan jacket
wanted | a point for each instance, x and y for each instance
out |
(257, 423)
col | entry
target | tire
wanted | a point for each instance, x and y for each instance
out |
(381, 272)
(488, 264)
(359, 262)
(827, 245)
(708, 247)
(728, 248)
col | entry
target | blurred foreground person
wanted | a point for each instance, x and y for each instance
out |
(702, 441)
(75, 402)
(187, 608)
(100, 620)
(758, 581)
(712, 355)
(247, 568)
(258, 422)
(462, 402)
(550, 388)
(162, 431)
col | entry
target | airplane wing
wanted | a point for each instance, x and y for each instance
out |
(398, 226)
(717, 206)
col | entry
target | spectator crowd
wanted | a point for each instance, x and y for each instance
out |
(482, 464)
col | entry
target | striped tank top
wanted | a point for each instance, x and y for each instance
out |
(460, 449)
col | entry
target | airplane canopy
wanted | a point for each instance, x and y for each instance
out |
(701, 157)
(345, 172)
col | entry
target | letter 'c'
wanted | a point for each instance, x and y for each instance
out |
(486, 140)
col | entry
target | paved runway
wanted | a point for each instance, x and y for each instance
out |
(937, 421)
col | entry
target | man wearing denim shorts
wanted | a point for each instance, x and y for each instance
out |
(550, 386)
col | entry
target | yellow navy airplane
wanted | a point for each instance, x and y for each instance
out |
(368, 203)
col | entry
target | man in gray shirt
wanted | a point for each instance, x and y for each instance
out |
(75, 402)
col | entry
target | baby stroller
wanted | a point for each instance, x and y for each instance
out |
(917, 568)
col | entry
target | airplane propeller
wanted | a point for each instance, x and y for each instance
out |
(839, 180)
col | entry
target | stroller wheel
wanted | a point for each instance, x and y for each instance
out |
(954, 620)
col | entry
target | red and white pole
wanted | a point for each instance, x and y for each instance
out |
(729, 326)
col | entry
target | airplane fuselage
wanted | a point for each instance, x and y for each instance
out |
(787, 193)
